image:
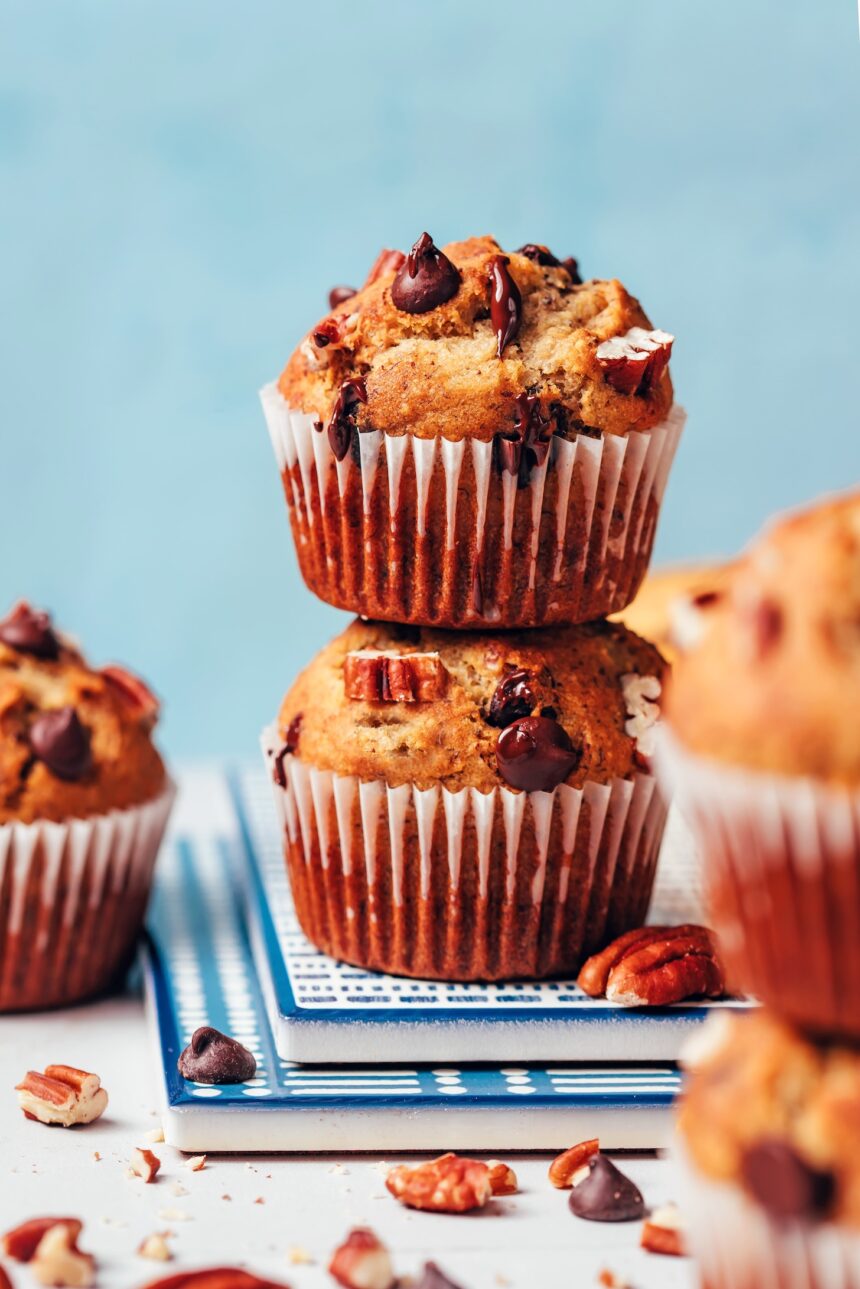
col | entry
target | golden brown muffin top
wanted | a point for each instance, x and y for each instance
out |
(774, 680)
(669, 599)
(520, 709)
(74, 742)
(439, 371)
(767, 1109)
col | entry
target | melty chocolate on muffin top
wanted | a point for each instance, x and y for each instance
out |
(519, 710)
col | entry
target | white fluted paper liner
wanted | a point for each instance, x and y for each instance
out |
(600, 843)
(781, 870)
(737, 1246)
(72, 899)
(608, 491)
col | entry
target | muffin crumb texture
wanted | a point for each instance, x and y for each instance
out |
(74, 741)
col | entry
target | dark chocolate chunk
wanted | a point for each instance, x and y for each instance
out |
(606, 1195)
(535, 754)
(342, 420)
(512, 699)
(783, 1183)
(62, 743)
(213, 1057)
(30, 631)
(339, 295)
(518, 451)
(506, 303)
(426, 280)
(766, 622)
(432, 1277)
(572, 267)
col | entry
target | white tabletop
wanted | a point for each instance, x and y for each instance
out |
(530, 1239)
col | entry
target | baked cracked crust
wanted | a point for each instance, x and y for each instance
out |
(586, 679)
(756, 1085)
(773, 680)
(74, 741)
(439, 372)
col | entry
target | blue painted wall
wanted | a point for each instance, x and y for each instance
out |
(181, 183)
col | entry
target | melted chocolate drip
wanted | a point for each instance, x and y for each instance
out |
(518, 452)
(512, 699)
(506, 303)
(535, 754)
(290, 745)
(342, 421)
(426, 280)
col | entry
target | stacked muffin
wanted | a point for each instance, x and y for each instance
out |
(472, 444)
(763, 751)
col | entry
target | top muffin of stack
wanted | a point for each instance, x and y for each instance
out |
(476, 439)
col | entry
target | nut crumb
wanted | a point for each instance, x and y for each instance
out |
(196, 1163)
(259, 1200)
(155, 1135)
(610, 1280)
(144, 1164)
(173, 1215)
(299, 1257)
(177, 1189)
(155, 1247)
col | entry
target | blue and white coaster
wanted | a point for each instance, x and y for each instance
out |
(200, 971)
(325, 1011)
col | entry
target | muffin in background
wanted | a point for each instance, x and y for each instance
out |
(769, 1145)
(84, 801)
(470, 806)
(476, 439)
(668, 606)
(761, 747)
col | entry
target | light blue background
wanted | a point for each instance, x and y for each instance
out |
(182, 182)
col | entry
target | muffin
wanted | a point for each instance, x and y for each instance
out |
(476, 439)
(762, 746)
(667, 607)
(84, 800)
(769, 1138)
(470, 806)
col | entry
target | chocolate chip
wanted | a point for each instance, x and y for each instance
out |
(606, 1195)
(339, 295)
(432, 1277)
(506, 303)
(783, 1183)
(512, 699)
(291, 743)
(342, 420)
(520, 450)
(535, 754)
(62, 743)
(540, 255)
(426, 280)
(572, 267)
(213, 1057)
(30, 631)
(766, 623)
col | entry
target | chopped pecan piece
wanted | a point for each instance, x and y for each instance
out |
(214, 1278)
(385, 262)
(22, 1241)
(135, 693)
(155, 1247)
(394, 677)
(58, 1261)
(663, 1232)
(145, 1164)
(654, 966)
(503, 1179)
(449, 1184)
(565, 1166)
(633, 363)
(62, 1095)
(362, 1262)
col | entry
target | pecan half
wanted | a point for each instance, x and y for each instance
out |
(135, 693)
(449, 1184)
(633, 363)
(62, 1095)
(22, 1241)
(663, 1232)
(394, 677)
(654, 966)
(565, 1166)
(362, 1262)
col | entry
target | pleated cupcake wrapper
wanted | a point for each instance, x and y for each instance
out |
(72, 900)
(399, 528)
(737, 1246)
(465, 885)
(781, 869)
